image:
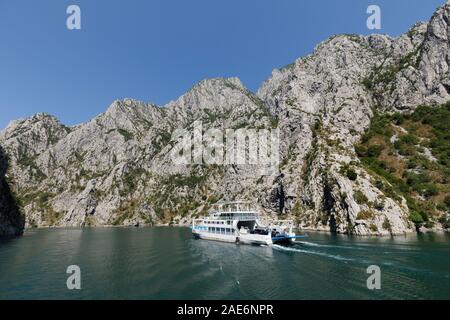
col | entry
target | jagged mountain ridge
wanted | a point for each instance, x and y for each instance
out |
(116, 168)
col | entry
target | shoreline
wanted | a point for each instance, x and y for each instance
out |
(406, 234)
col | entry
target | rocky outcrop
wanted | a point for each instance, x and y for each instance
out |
(117, 169)
(11, 221)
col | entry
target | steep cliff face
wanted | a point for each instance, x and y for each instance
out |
(117, 168)
(11, 221)
(333, 94)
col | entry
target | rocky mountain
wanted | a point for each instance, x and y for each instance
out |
(12, 222)
(117, 168)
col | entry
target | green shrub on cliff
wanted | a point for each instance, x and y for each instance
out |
(396, 149)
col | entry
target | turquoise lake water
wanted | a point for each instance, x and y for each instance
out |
(167, 263)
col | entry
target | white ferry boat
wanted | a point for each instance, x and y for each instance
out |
(238, 222)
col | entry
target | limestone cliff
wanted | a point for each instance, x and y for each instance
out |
(11, 220)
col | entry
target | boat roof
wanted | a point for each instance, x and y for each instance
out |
(233, 206)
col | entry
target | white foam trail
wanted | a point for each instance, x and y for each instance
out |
(313, 244)
(278, 247)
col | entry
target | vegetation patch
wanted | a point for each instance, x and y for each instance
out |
(393, 151)
(126, 134)
(360, 197)
(349, 172)
(125, 211)
(387, 225)
(365, 215)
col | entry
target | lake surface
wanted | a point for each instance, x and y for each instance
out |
(167, 263)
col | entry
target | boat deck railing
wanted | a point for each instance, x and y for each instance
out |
(233, 206)
(233, 215)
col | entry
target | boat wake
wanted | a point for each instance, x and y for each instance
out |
(312, 244)
(295, 249)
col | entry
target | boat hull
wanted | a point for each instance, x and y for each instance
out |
(244, 239)
(283, 241)
(255, 239)
(215, 237)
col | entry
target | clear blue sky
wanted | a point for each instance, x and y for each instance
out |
(155, 50)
